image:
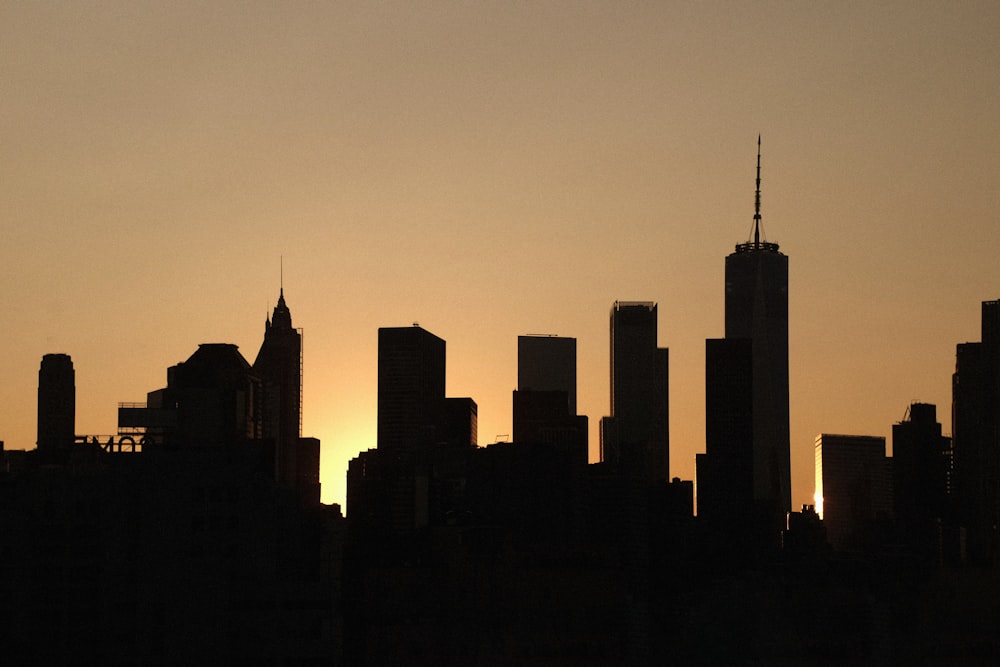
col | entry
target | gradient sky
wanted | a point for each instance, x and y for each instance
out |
(490, 170)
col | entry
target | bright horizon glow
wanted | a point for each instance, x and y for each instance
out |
(491, 171)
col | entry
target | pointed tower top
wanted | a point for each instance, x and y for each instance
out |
(281, 318)
(756, 243)
(756, 201)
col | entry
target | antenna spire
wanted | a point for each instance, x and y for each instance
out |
(281, 258)
(756, 202)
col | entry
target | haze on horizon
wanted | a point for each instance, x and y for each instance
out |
(490, 171)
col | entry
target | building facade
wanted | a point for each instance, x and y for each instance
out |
(976, 440)
(411, 387)
(853, 490)
(56, 402)
(636, 437)
(757, 310)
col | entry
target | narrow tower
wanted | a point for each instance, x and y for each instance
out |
(757, 309)
(279, 365)
(56, 403)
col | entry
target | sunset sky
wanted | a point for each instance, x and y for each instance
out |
(490, 170)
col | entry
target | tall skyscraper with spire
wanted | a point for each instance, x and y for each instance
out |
(757, 310)
(279, 365)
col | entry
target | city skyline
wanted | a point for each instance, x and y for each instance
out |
(491, 174)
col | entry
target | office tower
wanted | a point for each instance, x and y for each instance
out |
(547, 363)
(411, 387)
(279, 365)
(415, 476)
(921, 461)
(56, 403)
(976, 439)
(545, 399)
(460, 425)
(757, 310)
(725, 470)
(853, 489)
(636, 437)
(211, 399)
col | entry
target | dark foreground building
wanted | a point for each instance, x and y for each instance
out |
(180, 540)
(976, 440)
(757, 310)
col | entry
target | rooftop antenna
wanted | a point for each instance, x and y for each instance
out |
(756, 202)
(281, 258)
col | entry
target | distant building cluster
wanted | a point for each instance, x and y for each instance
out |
(195, 534)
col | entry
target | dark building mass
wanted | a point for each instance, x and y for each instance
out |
(195, 534)
(635, 438)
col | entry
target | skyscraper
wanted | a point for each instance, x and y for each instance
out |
(921, 466)
(56, 402)
(411, 387)
(545, 399)
(547, 363)
(636, 437)
(757, 309)
(976, 439)
(725, 470)
(853, 489)
(279, 365)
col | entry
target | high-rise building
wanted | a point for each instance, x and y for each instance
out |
(56, 402)
(636, 437)
(853, 489)
(415, 474)
(279, 365)
(921, 467)
(725, 470)
(757, 310)
(411, 387)
(976, 439)
(545, 399)
(547, 363)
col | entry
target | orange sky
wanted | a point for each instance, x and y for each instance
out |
(490, 170)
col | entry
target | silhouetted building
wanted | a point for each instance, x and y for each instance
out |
(547, 363)
(279, 367)
(216, 399)
(725, 470)
(212, 399)
(636, 437)
(56, 403)
(976, 439)
(544, 403)
(921, 466)
(410, 479)
(757, 309)
(853, 490)
(460, 424)
(804, 537)
(186, 550)
(411, 387)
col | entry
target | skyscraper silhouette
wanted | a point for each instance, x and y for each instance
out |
(853, 489)
(547, 363)
(411, 387)
(56, 402)
(757, 309)
(976, 439)
(636, 437)
(921, 466)
(545, 399)
(279, 365)
(725, 470)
